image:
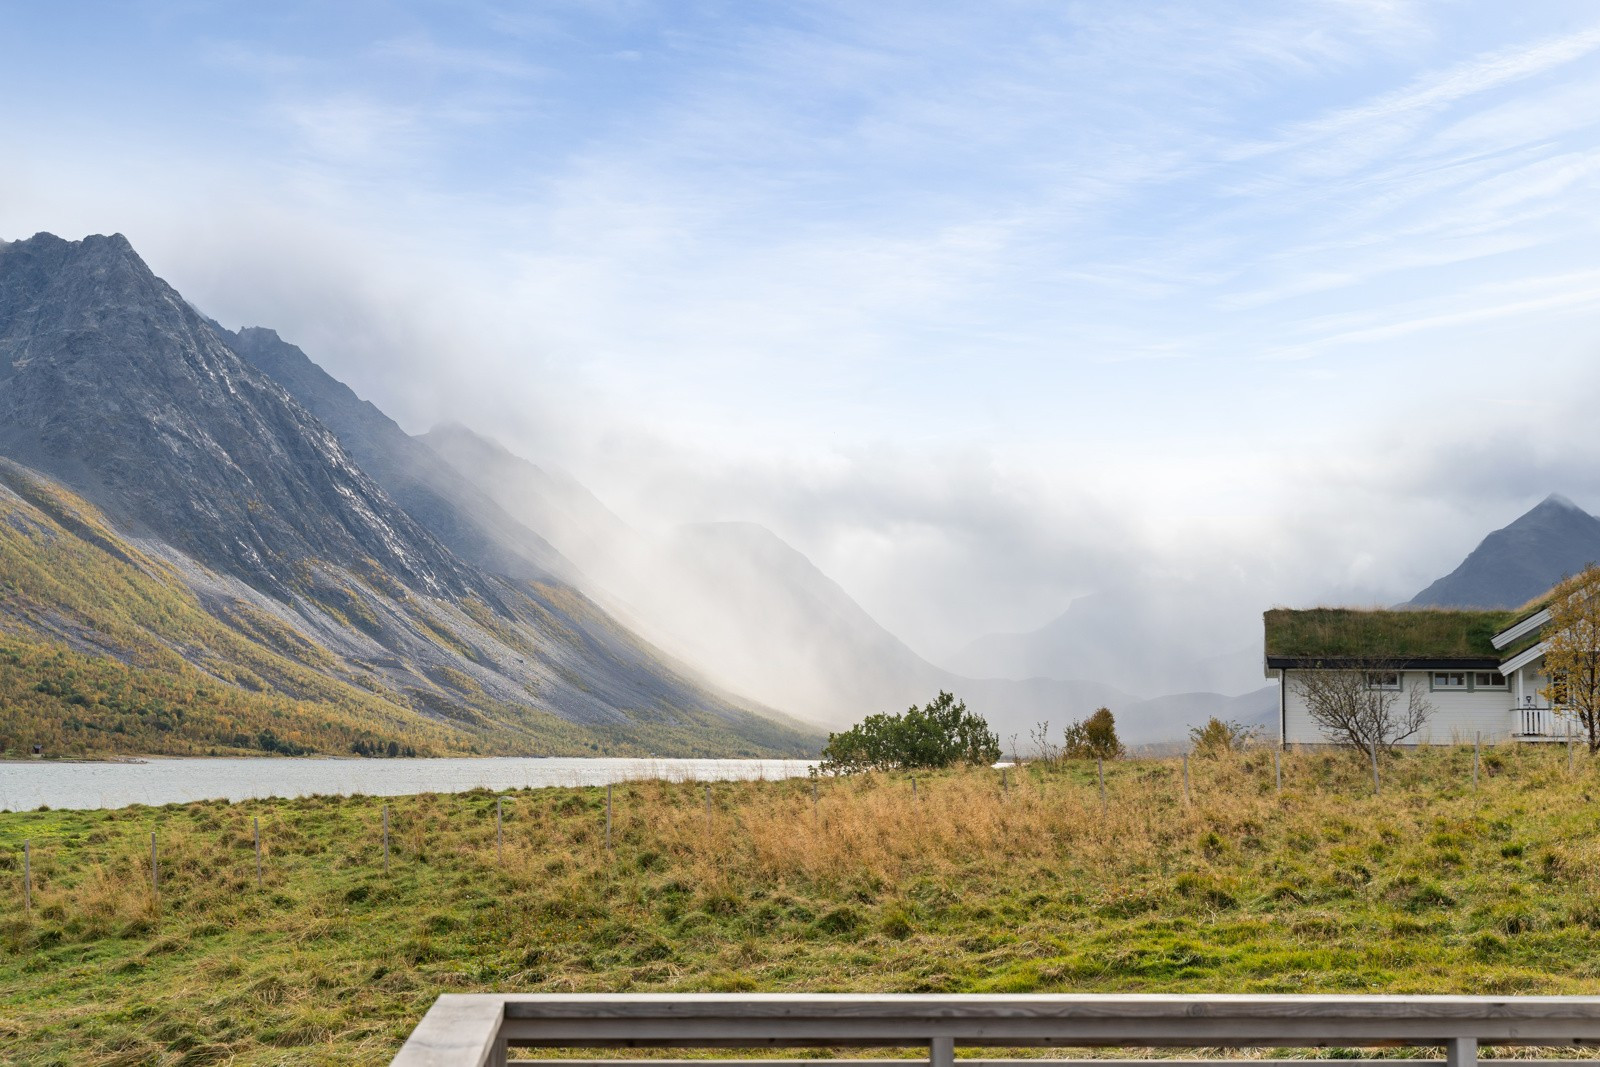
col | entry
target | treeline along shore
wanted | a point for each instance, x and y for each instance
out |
(318, 930)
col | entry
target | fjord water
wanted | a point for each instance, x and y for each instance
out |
(26, 785)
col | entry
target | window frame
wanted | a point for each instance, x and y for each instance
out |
(1373, 685)
(1435, 687)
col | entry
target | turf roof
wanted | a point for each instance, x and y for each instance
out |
(1415, 634)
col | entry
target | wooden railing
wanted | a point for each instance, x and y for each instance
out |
(475, 1030)
(1535, 722)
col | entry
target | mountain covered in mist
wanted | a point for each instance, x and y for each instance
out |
(761, 619)
(328, 565)
(1518, 562)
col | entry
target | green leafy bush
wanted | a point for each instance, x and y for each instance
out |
(941, 734)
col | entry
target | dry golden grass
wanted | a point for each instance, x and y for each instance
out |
(1432, 887)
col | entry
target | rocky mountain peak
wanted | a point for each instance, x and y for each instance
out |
(111, 382)
(1516, 563)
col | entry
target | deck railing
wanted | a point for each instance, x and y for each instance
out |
(475, 1030)
(1536, 722)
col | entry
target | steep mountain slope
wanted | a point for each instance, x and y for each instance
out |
(114, 385)
(1518, 562)
(412, 474)
(761, 619)
(604, 548)
(111, 384)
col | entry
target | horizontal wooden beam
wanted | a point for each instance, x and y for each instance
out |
(781, 1020)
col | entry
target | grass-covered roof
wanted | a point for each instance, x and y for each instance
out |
(1413, 634)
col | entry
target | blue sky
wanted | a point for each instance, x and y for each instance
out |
(982, 306)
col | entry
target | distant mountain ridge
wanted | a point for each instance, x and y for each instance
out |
(219, 484)
(1518, 562)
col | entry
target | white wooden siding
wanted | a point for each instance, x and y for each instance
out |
(1457, 714)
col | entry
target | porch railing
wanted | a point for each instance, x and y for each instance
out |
(475, 1030)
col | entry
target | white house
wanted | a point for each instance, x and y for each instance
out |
(1481, 671)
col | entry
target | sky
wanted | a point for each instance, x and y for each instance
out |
(984, 307)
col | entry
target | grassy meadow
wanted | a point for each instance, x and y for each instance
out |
(1434, 886)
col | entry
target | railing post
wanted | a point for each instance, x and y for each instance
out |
(1461, 1052)
(942, 1052)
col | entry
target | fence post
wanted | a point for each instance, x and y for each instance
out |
(386, 839)
(1100, 768)
(27, 876)
(256, 824)
(942, 1052)
(1186, 797)
(1377, 787)
(608, 815)
(1461, 1052)
(155, 872)
(499, 832)
(913, 788)
(1004, 788)
(816, 812)
(1277, 771)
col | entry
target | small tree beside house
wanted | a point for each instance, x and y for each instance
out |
(1363, 705)
(1572, 652)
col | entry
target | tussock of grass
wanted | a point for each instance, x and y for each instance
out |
(1431, 888)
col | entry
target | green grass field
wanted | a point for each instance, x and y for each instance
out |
(1432, 887)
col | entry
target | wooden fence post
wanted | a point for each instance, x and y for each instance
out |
(608, 815)
(27, 876)
(155, 872)
(816, 811)
(1004, 788)
(913, 788)
(256, 824)
(386, 839)
(1100, 768)
(499, 832)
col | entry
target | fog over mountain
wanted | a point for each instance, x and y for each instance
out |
(1094, 329)
(264, 555)
(760, 618)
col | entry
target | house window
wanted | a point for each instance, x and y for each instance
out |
(1488, 680)
(1449, 680)
(1383, 679)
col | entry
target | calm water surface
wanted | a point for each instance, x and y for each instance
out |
(26, 785)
